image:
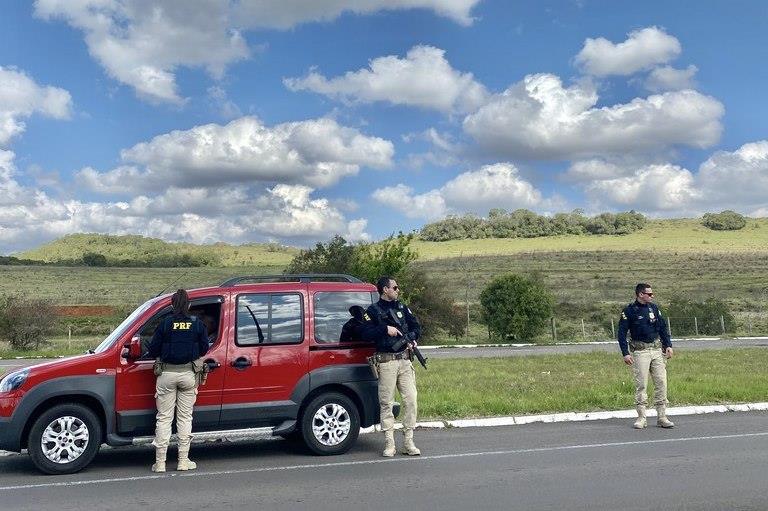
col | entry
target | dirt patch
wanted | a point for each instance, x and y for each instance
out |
(77, 311)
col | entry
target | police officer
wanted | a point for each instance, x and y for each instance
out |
(178, 340)
(394, 329)
(649, 345)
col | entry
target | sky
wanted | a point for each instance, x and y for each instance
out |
(292, 121)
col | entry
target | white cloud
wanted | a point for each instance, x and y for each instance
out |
(737, 179)
(651, 188)
(142, 43)
(668, 78)
(642, 50)
(492, 186)
(21, 97)
(424, 78)
(315, 152)
(539, 118)
(285, 14)
(430, 205)
(234, 214)
(727, 180)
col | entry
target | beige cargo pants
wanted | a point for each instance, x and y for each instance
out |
(175, 390)
(400, 375)
(650, 360)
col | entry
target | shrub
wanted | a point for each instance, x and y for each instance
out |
(94, 259)
(682, 312)
(515, 306)
(24, 322)
(724, 221)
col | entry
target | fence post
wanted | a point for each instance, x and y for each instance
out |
(669, 327)
(554, 330)
(583, 330)
(69, 337)
(696, 325)
(722, 323)
(749, 326)
(613, 330)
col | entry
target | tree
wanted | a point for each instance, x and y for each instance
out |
(337, 256)
(24, 322)
(388, 257)
(724, 221)
(515, 306)
(94, 259)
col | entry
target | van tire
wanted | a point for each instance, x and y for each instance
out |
(330, 424)
(82, 441)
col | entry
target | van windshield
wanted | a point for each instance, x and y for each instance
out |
(120, 330)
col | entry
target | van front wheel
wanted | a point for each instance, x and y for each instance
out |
(330, 424)
(64, 439)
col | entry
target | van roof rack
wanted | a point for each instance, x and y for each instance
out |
(300, 277)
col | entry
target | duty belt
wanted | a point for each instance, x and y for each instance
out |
(644, 345)
(177, 368)
(388, 357)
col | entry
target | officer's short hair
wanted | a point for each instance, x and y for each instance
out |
(382, 283)
(640, 288)
(180, 302)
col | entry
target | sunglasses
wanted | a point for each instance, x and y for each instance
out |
(396, 288)
(647, 294)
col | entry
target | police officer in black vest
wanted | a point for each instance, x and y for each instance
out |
(394, 329)
(178, 340)
(646, 351)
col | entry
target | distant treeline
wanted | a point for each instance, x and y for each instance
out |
(523, 223)
(147, 261)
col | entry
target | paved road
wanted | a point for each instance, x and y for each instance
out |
(709, 462)
(512, 351)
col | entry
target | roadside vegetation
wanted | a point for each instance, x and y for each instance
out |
(585, 382)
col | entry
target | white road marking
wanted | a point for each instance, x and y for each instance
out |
(379, 461)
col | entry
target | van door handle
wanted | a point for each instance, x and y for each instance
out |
(240, 363)
(212, 364)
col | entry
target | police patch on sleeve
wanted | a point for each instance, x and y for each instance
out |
(366, 317)
(623, 316)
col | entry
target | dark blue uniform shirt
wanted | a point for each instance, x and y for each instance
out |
(383, 314)
(179, 339)
(644, 323)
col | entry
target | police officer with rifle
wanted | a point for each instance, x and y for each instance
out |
(395, 330)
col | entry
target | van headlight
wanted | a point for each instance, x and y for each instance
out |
(13, 380)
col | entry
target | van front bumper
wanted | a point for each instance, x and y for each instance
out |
(9, 435)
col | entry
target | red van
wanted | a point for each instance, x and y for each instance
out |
(276, 361)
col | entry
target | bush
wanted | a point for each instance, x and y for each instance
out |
(682, 312)
(93, 259)
(523, 223)
(724, 221)
(518, 307)
(24, 322)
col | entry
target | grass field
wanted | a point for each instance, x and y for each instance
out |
(470, 388)
(582, 383)
(591, 276)
(678, 235)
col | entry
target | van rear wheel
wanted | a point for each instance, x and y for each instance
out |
(64, 439)
(330, 424)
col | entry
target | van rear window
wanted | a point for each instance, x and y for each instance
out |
(332, 312)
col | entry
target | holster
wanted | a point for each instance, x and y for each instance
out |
(201, 370)
(374, 365)
(157, 367)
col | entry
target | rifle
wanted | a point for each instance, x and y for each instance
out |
(406, 339)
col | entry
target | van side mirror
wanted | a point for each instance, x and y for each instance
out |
(133, 348)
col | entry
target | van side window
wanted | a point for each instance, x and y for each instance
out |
(332, 312)
(269, 318)
(207, 309)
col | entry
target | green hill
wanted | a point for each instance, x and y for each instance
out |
(139, 249)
